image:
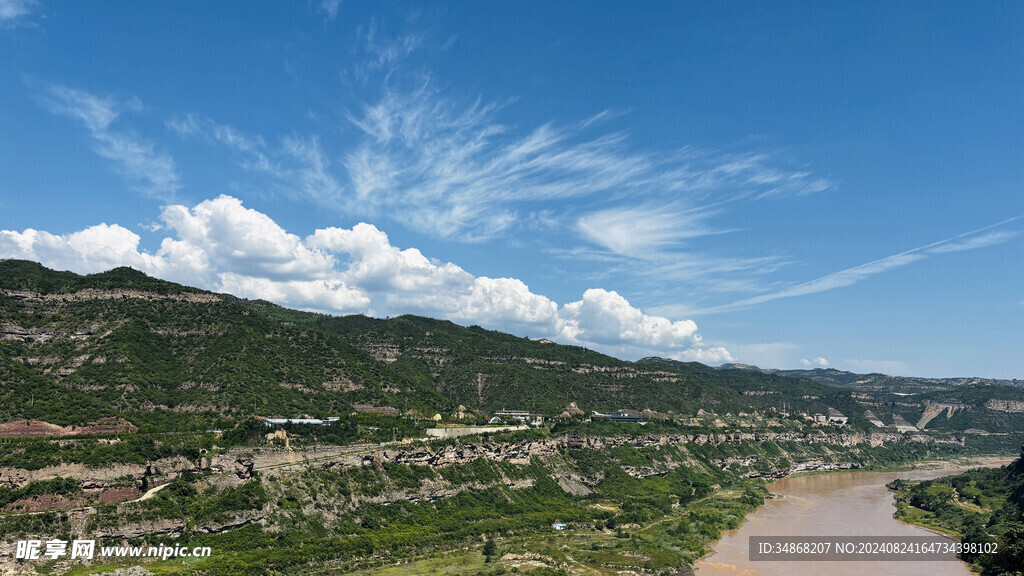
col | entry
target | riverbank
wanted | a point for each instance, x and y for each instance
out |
(976, 506)
(850, 503)
(926, 520)
(628, 548)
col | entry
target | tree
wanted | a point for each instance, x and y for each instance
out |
(1010, 558)
(490, 549)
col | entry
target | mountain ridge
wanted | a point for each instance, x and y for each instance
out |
(120, 343)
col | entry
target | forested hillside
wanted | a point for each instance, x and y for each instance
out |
(983, 505)
(164, 356)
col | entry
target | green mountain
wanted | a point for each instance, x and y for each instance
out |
(77, 348)
(119, 343)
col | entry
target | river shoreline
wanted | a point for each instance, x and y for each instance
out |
(727, 555)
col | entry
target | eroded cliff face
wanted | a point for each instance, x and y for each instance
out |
(1005, 405)
(425, 453)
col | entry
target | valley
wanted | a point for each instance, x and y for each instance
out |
(140, 411)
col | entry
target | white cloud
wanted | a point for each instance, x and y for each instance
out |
(971, 240)
(250, 150)
(381, 267)
(384, 52)
(243, 240)
(312, 173)
(643, 231)
(329, 296)
(12, 11)
(221, 245)
(818, 362)
(329, 8)
(973, 243)
(133, 157)
(93, 249)
(607, 317)
(456, 171)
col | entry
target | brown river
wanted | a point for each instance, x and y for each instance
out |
(833, 504)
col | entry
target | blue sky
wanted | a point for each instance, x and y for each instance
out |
(784, 185)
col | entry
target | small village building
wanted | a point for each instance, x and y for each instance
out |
(836, 418)
(521, 416)
(620, 416)
(272, 422)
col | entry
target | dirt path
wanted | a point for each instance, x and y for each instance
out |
(150, 493)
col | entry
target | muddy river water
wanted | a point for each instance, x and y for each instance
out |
(833, 504)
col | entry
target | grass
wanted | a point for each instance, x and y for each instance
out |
(927, 520)
(582, 550)
(455, 564)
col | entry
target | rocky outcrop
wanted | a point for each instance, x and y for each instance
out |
(96, 294)
(931, 411)
(41, 429)
(1005, 405)
(243, 467)
(97, 478)
(426, 454)
(521, 452)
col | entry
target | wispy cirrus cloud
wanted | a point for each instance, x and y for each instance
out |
(644, 231)
(384, 52)
(329, 9)
(461, 173)
(975, 242)
(251, 151)
(135, 158)
(298, 166)
(13, 12)
(452, 167)
(972, 240)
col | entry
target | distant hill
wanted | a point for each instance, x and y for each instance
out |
(834, 377)
(976, 404)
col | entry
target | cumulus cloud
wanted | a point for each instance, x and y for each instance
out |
(219, 244)
(604, 317)
(93, 249)
(240, 239)
(818, 362)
